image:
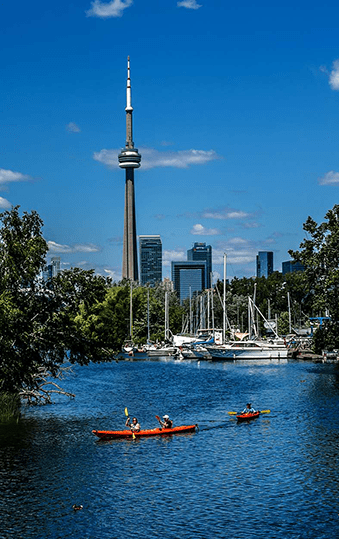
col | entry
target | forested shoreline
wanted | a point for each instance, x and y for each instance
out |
(80, 317)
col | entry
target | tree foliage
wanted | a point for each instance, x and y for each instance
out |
(272, 296)
(109, 320)
(76, 316)
(38, 329)
(319, 253)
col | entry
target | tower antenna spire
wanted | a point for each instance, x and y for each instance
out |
(129, 159)
(129, 109)
(128, 89)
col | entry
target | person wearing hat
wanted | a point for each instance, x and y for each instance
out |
(248, 409)
(167, 423)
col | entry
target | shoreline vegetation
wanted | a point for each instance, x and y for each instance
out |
(80, 317)
(10, 406)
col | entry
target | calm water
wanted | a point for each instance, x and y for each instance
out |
(274, 477)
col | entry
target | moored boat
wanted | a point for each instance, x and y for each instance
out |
(158, 350)
(111, 434)
(250, 349)
(247, 417)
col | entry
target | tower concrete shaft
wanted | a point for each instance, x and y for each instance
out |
(129, 159)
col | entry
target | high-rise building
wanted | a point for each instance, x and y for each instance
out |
(201, 251)
(150, 258)
(188, 278)
(52, 269)
(129, 159)
(264, 263)
(290, 266)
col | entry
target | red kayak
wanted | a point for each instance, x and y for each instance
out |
(246, 417)
(110, 434)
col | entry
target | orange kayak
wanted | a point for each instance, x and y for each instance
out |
(110, 434)
(246, 417)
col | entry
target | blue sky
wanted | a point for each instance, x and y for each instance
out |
(236, 115)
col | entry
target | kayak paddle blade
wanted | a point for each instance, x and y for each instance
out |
(126, 412)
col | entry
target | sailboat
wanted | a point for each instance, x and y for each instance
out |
(250, 346)
(163, 349)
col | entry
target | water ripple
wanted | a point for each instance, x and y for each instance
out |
(274, 477)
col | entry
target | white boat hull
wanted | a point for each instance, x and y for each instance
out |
(248, 350)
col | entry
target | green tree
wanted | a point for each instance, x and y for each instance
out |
(38, 329)
(108, 321)
(319, 253)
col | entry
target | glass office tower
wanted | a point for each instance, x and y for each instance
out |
(150, 256)
(291, 266)
(188, 278)
(201, 251)
(264, 263)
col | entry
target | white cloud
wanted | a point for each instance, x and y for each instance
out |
(115, 8)
(4, 204)
(111, 273)
(8, 176)
(153, 158)
(238, 241)
(57, 248)
(173, 255)
(189, 4)
(199, 229)
(253, 224)
(330, 178)
(334, 76)
(76, 248)
(86, 248)
(242, 254)
(73, 128)
(225, 213)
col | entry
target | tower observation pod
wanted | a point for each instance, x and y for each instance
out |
(129, 159)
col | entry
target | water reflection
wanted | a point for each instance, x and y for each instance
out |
(272, 477)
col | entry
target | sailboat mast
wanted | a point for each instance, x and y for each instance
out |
(148, 330)
(165, 315)
(224, 304)
(131, 310)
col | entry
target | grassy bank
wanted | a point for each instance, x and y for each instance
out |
(9, 407)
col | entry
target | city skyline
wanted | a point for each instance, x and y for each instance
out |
(238, 147)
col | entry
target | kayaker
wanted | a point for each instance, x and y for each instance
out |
(248, 409)
(167, 423)
(135, 427)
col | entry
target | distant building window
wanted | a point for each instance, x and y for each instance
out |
(264, 263)
(189, 278)
(290, 266)
(150, 254)
(201, 251)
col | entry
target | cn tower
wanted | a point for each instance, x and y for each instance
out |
(129, 159)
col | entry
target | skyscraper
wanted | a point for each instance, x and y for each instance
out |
(291, 266)
(150, 257)
(52, 269)
(201, 251)
(264, 263)
(129, 159)
(188, 277)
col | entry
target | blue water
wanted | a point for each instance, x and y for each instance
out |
(273, 477)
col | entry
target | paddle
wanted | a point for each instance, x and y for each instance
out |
(158, 418)
(127, 415)
(260, 411)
